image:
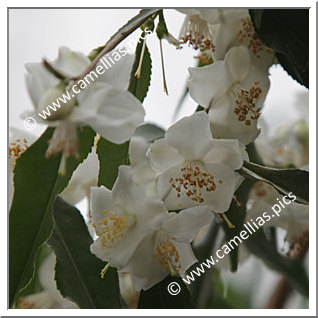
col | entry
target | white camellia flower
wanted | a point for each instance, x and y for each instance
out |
(294, 217)
(121, 218)
(100, 102)
(167, 248)
(234, 32)
(234, 91)
(194, 168)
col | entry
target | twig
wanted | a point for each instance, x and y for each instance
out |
(119, 36)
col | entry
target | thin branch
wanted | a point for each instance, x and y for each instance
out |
(54, 71)
(118, 37)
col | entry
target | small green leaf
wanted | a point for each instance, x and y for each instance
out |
(139, 86)
(292, 269)
(161, 30)
(77, 269)
(236, 214)
(37, 183)
(284, 180)
(110, 156)
(150, 132)
(158, 296)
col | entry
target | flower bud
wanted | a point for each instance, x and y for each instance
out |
(51, 105)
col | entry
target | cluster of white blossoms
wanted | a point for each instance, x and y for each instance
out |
(146, 224)
(175, 185)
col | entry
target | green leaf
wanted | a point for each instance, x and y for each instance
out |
(110, 156)
(161, 30)
(292, 269)
(149, 132)
(37, 183)
(139, 86)
(158, 296)
(286, 31)
(236, 214)
(77, 269)
(284, 180)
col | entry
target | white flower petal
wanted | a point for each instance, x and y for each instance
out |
(187, 223)
(112, 112)
(144, 267)
(128, 197)
(100, 200)
(38, 81)
(162, 156)
(226, 151)
(209, 82)
(118, 74)
(187, 257)
(225, 37)
(138, 148)
(70, 63)
(237, 60)
(83, 178)
(216, 16)
(221, 198)
(190, 135)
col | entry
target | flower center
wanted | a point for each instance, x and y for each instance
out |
(112, 227)
(167, 254)
(195, 31)
(194, 180)
(246, 104)
(248, 35)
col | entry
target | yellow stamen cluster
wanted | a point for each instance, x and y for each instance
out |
(246, 108)
(111, 228)
(167, 255)
(196, 33)
(248, 35)
(193, 181)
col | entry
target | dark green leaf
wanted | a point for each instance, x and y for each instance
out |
(110, 156)
(139, 86)
(149, 132)
(286, 31)
(284, 180)
(292, 269)
(37, 183)
(236, 214)
(77, 269)
(158, 296)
